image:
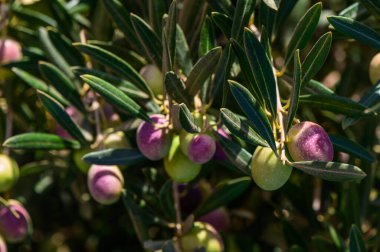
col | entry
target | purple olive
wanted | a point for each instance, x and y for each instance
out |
(217, 218)
(10, 50)
(308, 141)
(220, 154)
(154, 140)
(105, 183)
(201, 148)
(15, 222)
(190, 198)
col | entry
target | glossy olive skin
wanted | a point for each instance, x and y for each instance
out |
(308, 141)
(15, 228)
(9, 172)
(153, 77)
(116, 140)
(154, 140)
(267, 170)
(220, 154)
(374, 69)
(105, 183)
(178, 166)
(202, 237)
(10, 50)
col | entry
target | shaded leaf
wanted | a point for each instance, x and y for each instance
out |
(240, 127)
(318, 88)
(331, 171)
(243, 12)
(115, 96)
(176, 88)
(166, 200)
(156, 10)
(207, 37)
(274, 4)
(170, 31)
(254, 113)
(37, 141)
(182, 52)
(187, 119)
(262, 70)
(356, 242)
(303, 31)
(355, 11)
(356, 30)
(345, 145)
(114, 157)
(373, 6)
(223, 22)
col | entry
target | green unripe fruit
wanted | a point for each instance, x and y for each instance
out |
(268, 172)
(178, 166)
(202, 237)
(82, 165)
(153, 77)
(116, 140)
(374, 69)
(9, 172)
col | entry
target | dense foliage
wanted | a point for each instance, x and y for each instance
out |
(189, 125)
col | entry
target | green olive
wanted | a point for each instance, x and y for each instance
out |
(9, 172)
(202, 237)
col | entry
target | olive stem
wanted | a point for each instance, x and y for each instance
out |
(280, 122)
(177, 207)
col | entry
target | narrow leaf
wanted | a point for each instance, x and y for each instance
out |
(356, 242)
(243, 12)
(182, 52)
(262, 70)
(373, 6)
(59, 80)
(316, 57)
(148, 39)
(304, 31)
(240, 127)
(274, 4)
(202, 70)
(156, 10)
(170, 30)
(254, 113)
(346, 145)
(315, 87)
(337, 104)
(38, 141)
(331, 171)
(114, 157)
(223, 22)
(223, 194)
(39, 85)
(176, 88)
(115, 63)
(207, 37)
(115, 96)
(187, 119)
(356, 30)
(296, 90)
(355, 11)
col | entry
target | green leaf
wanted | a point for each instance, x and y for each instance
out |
(304, 31)
(64, 20)
(182, 52)
(316, 57)
(223, 22)
(115, 63)
(166, 200)
(223, 194)
(127, 87)
(267, 19)
(115, 96)
(262, 70)
(66, 49)
(246, 70)
(37, 141)
(52, 52)
(187, 119)
(176, 88)
(373, 6)
(356, 30)
(254, 113)
(283, 12)
(274, 4)
(334, 103)
(331, 171)
(156, 10)
(369, 99)
(237, 155)
(121, 17)
(39, 85)
(346, 145)
(115, 157)
(318, 88)
(60, 115)
(207, 37)
(240, 127)
(243, 12)
(222, 74)
(202, 70)
(59, 80)
(170, 31)
(265, 42)
(32, 16)
(296, 90)
(355, 11)
(148, 39)
(222, 6)
(356, 242)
